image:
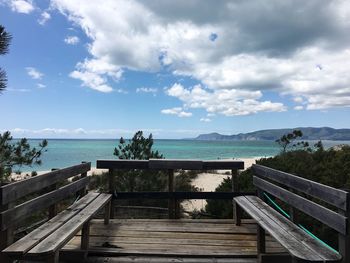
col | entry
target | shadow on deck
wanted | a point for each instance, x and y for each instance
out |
(169, 240)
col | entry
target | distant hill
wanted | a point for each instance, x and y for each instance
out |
(309, 133)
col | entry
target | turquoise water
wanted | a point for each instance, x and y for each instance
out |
(62, 153)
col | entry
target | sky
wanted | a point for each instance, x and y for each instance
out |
(176, 69)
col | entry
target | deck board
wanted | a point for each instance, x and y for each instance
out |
(130, 240)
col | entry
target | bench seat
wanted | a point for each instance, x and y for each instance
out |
(300, 245)
(45, 241)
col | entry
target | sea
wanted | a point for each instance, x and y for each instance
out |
(66, 152)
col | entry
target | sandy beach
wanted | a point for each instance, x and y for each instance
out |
(208, 182)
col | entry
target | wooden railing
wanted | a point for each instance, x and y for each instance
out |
(169, 166)
(21, 199)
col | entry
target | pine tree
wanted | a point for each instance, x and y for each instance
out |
(5, 39)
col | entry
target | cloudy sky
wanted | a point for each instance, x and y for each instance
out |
(84, 69)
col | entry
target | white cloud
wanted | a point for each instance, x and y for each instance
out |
(93, 73)
(299, 107)
(298, 99)
(21, 6)
(18, 90)
(41, 86)
(92, 80)
(146, 90)
(205, 120)
(228, 102)
(285, 47)
(178, 111)
(44, 17)
(77, 132)
(34, 73)
(71, 40)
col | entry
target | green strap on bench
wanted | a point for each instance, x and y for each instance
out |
(301, 226)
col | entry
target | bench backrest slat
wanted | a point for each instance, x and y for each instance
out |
(323, 214)
(22, 211)
(14, 191)
(330, 195)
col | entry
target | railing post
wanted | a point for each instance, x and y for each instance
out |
(111, 186)
(52, 208)
(83, 191)
(344, 240)
(7, 235)
(171, 203)
(235, 188)
(293, 212)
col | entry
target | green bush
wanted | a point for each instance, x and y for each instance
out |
(329, 167)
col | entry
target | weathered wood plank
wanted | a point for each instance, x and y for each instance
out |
(22, 211)
(150, 240)
(59, 238)
(223, 165)
(14, 191)
(143, 259)
(179, 195)
(176, 221)
(295, 240)
(159, 164)
(122, 164)
(187, 229)
(26, 243)
(171, 164)
(173, 251)
(295, 231)
(282, 235)
(333, 196)
(112, 241)
(325, 215)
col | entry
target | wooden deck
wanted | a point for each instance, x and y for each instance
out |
(169, 240)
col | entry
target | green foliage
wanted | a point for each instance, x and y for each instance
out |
(5, 39)
(139, 148)
(286, 141)
(13, 155)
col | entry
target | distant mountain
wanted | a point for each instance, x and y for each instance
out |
(309, 133)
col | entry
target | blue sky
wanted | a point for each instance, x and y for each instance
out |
(79, 69)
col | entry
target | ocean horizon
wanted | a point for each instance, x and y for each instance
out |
(66, 152)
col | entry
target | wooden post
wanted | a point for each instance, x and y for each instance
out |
(260, 234)
(6, 236)
(83, 191)
(107, 212)
(54, 258)
(238, 214)
(52, 208)
(235, 189)
(260, 240)
(293, 212)
(171, 203)
(344, 240)
(85, 233)
(111, 187)
(177, 209)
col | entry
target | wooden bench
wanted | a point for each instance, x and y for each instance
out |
(46, 240)
(301, 245)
